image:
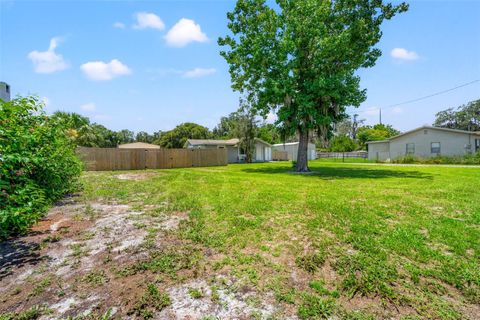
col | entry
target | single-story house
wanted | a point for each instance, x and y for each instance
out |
(292, 149)
(262, 151)
(138, 145)
(425, 142)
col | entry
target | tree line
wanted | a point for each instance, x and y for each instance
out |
(240, 124)
(348, 134)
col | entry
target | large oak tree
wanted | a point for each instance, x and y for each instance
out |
(299, 57)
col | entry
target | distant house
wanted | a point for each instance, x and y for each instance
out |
(425, 142)
(4, 91)
(138, 145)
(292, 149)
(262, 151)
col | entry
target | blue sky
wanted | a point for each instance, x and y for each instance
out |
(150, 65)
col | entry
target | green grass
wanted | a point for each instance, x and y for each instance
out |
(407, 235)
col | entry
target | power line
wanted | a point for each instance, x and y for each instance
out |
(426, 97)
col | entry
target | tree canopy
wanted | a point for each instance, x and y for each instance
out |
(342, 143)
(376, 133)
(87, 134)
(177, 137)
(299, 59)
(465, 117)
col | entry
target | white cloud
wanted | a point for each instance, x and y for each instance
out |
(404, 54)
(184, 32)
(198, 72)
(88, 107)
(100, 71)
(48, 61)
(119, 25)
(147, 20)
(397, 110)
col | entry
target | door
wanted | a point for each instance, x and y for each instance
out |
(268, 154)
(258, 153)
(477, 145)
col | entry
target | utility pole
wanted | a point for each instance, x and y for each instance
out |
(380, 115)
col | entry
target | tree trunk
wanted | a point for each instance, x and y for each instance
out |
(302, 156)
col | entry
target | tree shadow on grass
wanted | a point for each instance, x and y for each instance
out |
(327, 173)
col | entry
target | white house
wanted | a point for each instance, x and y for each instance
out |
(425, 142)
(292, 149)
(261, 153)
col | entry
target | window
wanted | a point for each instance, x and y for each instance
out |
(7, 88)
(410, 148)
(477, 145)
(425, 131)
(435, 147)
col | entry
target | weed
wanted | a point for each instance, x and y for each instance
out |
(311, 262)
(77, 250)
(315, 307)
(91, 213)
(152, 301)
(41, 286)
(215, 296)
(195, 293)
(30, 314)
(87, 236)
(49, 239)
(285, 296)
(95, 278)
(358, 315)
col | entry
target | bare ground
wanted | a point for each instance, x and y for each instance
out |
(83, 259)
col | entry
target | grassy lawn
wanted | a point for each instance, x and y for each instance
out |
(354, 241)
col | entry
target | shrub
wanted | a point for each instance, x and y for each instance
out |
(465, 159)
(38, 164)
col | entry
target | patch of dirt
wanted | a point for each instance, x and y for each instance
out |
(137, 176)
(221, 299)
(69, 259)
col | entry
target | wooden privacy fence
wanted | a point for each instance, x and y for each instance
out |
(106, 159)
(279, 155)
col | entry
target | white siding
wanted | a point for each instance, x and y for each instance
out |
(451, 143)
(259, 152)
(379, 151)
(268, 154)
(292, 149)
(420, 141)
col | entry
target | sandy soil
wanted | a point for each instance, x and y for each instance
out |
(70, 262)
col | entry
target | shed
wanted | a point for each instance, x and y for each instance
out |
(292, 149)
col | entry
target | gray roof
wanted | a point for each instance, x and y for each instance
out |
(291, 144)
(138, 145)
(212, 142)
(426, 127)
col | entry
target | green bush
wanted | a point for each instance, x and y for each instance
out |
(465, 159)
(38, 164)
